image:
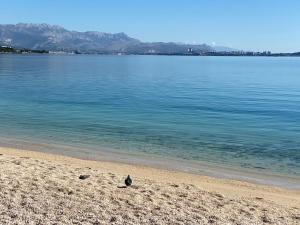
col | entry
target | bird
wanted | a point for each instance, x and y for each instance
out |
(128, 181)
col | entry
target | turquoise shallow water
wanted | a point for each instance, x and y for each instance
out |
(234, 111)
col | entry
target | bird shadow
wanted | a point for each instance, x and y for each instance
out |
(122, 186)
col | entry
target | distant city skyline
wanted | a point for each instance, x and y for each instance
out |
(269, 25)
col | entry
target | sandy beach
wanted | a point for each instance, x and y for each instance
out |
(40, 188)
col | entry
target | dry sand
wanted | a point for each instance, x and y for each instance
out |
(39, 188)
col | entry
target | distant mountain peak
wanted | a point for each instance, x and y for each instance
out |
(39, 26)
(56, 38)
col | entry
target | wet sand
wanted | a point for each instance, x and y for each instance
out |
(156, 161)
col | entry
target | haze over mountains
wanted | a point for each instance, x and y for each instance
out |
(57, 38)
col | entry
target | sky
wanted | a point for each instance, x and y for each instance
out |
(255, 25)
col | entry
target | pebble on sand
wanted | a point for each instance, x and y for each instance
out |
(83, 177)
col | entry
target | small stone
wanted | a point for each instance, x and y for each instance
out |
(83, 177)
(113, 219)
(266, 219)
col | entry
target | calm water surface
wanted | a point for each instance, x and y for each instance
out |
(233, 111)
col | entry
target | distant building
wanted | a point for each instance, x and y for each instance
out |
(190, 50)
(5, 46)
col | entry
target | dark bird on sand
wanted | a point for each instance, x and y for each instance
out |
(128, 181)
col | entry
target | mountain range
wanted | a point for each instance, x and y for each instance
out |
(56, 38)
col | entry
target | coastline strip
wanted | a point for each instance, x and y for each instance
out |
(227, 187)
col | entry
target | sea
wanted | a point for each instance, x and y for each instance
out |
(198, 114)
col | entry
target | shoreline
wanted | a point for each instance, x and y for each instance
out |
(158, 162)
(43, 188)
(207, 54)
(228, 187)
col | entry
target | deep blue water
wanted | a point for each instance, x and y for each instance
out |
(237, 111)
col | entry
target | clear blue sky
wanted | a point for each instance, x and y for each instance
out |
(250, 25)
